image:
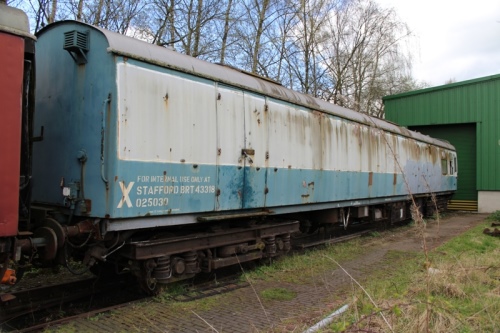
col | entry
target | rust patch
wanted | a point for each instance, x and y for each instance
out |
(395, 180)
(370, 179)
(165, 101)
(88, 206)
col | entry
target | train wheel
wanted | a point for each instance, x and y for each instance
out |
(149, 286)
(147, 282)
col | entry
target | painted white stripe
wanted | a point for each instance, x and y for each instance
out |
(167, 118)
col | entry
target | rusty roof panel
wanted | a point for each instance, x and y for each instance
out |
(164, 57)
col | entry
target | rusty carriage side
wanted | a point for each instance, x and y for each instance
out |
(168, 165)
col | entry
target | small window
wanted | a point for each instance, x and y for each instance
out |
(444, 166)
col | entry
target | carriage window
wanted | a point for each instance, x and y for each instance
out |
(444, 166)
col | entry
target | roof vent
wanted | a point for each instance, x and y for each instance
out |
(77, 44)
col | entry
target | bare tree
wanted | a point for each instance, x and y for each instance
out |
(345, 51)
(225, 34)
(311, 17)
(186, 25)
(361, 52)
(156, 24)
(53, 10)
(79, 11)
(40, 12)
(257, 36)
(98, 12)
(262, 7)
(282, 69)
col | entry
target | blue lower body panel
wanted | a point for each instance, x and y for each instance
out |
(153, 189)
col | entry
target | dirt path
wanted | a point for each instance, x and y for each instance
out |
(242, 311)
(436, 233)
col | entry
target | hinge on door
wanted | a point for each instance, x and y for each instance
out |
(248, 152)
(245, 154)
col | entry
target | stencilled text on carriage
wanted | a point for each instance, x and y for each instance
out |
(152, 191)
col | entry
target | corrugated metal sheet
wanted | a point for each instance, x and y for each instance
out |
(474, 101)
(462, 136)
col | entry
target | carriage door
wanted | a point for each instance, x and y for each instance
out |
(230, 148)
(256, 152)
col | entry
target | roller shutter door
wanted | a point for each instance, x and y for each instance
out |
(463, 137)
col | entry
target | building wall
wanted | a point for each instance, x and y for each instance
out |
(488, 201)
(469, 102)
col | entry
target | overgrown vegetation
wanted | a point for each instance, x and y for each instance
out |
(495, 216)
(455, 289)
(298, 268)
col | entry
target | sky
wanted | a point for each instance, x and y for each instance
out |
(454, 39)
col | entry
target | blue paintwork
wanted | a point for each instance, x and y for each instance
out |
(286, 187)
(69, 105)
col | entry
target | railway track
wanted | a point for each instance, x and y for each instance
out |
(317, 240)
(36, 308)
(232, 281)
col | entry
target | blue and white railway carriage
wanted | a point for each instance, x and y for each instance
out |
(139, 136)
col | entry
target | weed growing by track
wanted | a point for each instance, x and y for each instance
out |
(278, 294)
(299, 267)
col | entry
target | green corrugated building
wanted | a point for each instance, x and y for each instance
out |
(467, 114)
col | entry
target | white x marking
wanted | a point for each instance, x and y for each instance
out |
(125, 192)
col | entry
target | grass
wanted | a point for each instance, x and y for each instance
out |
(458, 292)
(298, 268)
(278, 294)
